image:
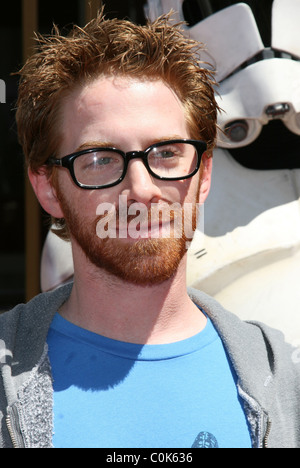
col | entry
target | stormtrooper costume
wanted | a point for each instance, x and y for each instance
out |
(246, 250)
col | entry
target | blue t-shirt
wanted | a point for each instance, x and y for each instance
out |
(113, 394)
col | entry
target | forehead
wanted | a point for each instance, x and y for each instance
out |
(109, 90)
(109, 108)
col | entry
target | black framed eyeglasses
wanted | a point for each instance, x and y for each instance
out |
(104, 167)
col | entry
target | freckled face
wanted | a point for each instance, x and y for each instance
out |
(129, 115)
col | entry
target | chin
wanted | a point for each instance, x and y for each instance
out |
(143, 262)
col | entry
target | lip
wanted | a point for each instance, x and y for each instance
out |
(152, 230)
(147, 224)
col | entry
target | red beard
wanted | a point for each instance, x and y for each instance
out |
(144, 261)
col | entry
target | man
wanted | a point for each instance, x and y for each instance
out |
(118, 124)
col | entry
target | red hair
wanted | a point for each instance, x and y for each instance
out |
(157, 50)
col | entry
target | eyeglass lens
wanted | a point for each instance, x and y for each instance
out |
(104, 167)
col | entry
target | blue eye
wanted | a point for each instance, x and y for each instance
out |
(164, 154)
(102, 161)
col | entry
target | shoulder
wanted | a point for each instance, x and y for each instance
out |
(26, 325)
(255, 349)
(230, 325)
(36, 309)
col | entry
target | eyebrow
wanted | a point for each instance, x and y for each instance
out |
(167, 138)
(109, 144)
(94, 144)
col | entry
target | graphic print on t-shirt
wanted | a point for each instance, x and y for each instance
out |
(205, 440)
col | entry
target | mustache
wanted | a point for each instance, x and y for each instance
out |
(155, 214)
(137, 219)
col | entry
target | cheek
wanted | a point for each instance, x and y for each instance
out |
(83, 202)
(189, 190)
(176, 191)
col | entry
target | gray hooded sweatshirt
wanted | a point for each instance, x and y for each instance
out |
(268, 373)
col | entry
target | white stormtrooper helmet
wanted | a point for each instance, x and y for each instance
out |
(256, 84)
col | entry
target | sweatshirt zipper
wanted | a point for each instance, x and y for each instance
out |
(11, 432)
(13, 427)
(268, 430)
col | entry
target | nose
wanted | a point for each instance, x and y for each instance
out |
(138, 185)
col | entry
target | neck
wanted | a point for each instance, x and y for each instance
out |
(106, 305)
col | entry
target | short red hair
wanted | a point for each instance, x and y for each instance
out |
(158, 50)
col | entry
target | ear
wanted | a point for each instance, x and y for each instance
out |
(205, 178)
(45, 192)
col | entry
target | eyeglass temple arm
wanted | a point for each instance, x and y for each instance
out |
(54, 162)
